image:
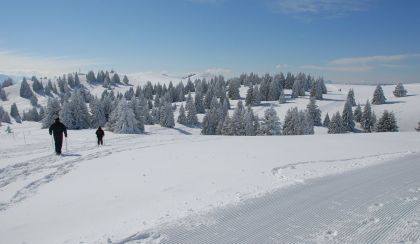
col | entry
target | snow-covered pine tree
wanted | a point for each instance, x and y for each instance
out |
(256, 96)
(31, 115)
(211, 118)
(265, 88)
(249, 122)
(75, 114)
(198, 101)
(274, 91)
(282, 97)
(368, 121)
(34, 101)
(51, 112)
(348, 120)
(77, 83)
(336, 124)
(115, 79)
(350, 97)
(167, 116)
(400, 90)
(270, 124)
(97, 117)
(3, 95)
(37, 85)
(25, 89)
(387, 123)
(249, 96)
(4, 116)
(139, 112)
(226, 127)
(237, 123)
(90, 77)
(233, 91)
(295, 89)
(378, 96)
(192, 119)
(314, 112)
(290, 122)
(14, 112)
(326, 121)
(182, 118)
(125, 80)
(209, 97)
(357, 114)
(307, 124)
(126, 122)
(323, 86)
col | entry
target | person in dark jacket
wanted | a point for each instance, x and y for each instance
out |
(57, 129)
(100, 134)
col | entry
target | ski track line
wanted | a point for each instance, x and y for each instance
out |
(12, 173)
(373, 205)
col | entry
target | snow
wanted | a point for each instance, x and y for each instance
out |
(136, 182)
(123, 191)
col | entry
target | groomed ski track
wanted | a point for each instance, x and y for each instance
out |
(378, 204)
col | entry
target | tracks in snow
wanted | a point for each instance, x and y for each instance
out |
(379, 204)
(28, 176)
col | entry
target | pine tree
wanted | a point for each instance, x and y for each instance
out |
(264, 88)
(115, 79)
(297, 122)
(256, 96)
(75, 114)
(97, 111)
(25, 90)
(368, 121)
(34, 101)
(350, 97)
(139, 112)
(237, 123)
(126, 122)
(37, 86)
(233, 91)
(3, 95)
(387, 123)
(326, 121)
(51, 112)
(336, 125)
(198, 101)
(378, 96)
(167, 116)
(400, 91)
(125, 80)
(358, 114)
(14, 112)
(90, 77)
(192, 119)
(270, 124)
(182, 119)
(348, 120)
(249, 122)
(295, 89)
(211, 118)
(282, 97)
(249, 96)
(314, 112)
(274, 91)
(226, 127)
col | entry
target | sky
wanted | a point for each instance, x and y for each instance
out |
(341, 40)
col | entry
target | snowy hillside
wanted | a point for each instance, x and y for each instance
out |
(136, 182)
(140, 188)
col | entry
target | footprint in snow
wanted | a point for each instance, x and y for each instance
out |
(330, 234)
(375, 206)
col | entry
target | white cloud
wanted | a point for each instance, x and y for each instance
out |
(307, 9)
(282, 66)
(336, 68)
(375, 59)
(15, 63)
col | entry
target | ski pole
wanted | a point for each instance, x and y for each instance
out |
(52, 142)
(66, 144)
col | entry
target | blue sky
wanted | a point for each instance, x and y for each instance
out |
(342, 40)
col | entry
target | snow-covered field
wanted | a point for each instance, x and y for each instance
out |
(136, 182)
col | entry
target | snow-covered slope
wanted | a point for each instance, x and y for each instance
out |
(135, 182)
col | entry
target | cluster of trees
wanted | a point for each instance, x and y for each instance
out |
(345, 122)
(153, 104)
(4, 116)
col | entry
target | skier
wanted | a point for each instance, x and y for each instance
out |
(100, 134)
(57, 129)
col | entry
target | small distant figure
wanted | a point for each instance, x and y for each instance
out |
(57, 129)
(418, 127)
(100, 134)
(339, 89)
